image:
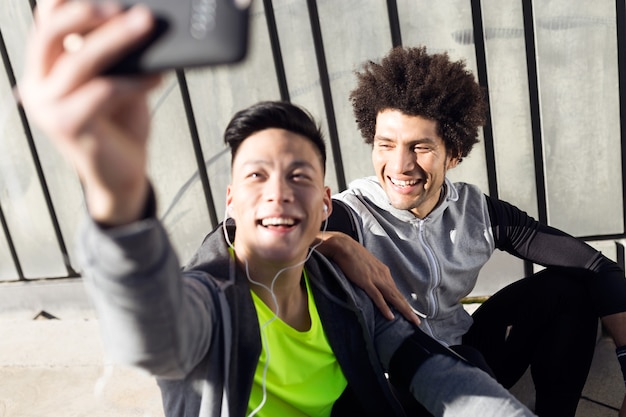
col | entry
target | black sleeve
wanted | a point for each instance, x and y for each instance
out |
(519, 234)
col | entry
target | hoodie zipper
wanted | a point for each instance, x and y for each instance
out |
(435, 278)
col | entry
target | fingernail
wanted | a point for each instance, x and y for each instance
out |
(73, 42)
(139, 17)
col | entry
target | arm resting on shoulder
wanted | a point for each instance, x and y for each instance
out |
(367, 272)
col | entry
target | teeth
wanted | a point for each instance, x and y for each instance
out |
(400, 183)
(277, 221)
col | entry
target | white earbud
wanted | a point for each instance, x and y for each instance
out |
(325, 208)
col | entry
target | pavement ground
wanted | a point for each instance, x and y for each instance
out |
(52, 364)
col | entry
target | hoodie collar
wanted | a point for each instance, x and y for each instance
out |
(370, 189)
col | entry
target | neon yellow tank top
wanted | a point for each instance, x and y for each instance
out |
(303, 376)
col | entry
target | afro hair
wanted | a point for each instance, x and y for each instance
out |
(420, 84)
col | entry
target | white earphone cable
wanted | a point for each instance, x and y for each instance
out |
(276, 307)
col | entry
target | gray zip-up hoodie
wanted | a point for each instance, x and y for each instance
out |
(435, 261)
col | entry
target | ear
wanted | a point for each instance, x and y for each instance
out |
(452, 161)
(327, 201)
(229, 200)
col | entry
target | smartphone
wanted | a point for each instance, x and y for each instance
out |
(189, 33)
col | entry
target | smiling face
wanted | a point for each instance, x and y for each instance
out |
(410, 160)
(277, 195)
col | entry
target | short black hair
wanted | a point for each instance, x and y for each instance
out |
(274, 114)
(417, 83)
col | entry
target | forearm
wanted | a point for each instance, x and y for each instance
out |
(334, 245)
(147, 316)
(117, 207)
(449, 387)
(363, 269)
(356, 262)
(440, 380)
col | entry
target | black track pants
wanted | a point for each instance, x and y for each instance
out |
(546, 322)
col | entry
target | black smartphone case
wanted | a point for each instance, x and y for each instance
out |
(189, 33)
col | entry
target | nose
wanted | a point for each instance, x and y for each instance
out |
(278, 189)
(402, 160)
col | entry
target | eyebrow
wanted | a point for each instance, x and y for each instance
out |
(426, 139)
(300, 163)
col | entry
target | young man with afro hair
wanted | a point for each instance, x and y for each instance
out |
(421, 113)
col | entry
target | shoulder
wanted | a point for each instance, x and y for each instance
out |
(462, 196)
(363, 190)
(212, 256)
(465, 190)
(332, 282)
